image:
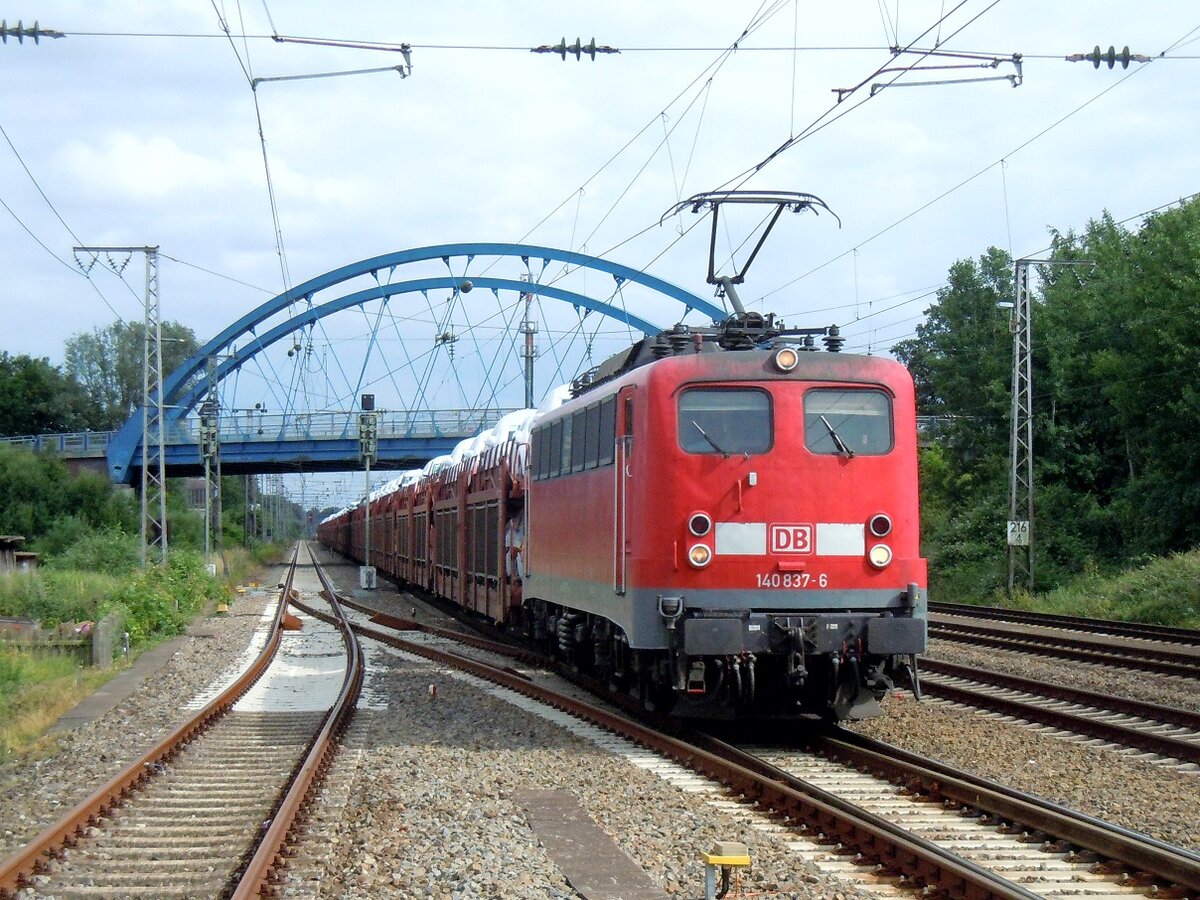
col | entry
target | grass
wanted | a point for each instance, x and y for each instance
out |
(1163, 591)
(35, 690)
(245, 565)
(52, 596)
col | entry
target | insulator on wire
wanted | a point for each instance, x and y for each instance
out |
(577, 49)
(20, 32)
(1111, 57)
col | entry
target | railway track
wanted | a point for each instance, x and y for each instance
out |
(1056, 852)
(1163, 735)
(1158, 734)
(1137, 630)
(1050, 850)
(209, 810)
(1117, 652)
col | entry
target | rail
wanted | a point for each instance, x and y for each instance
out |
(1142, 630)
(1127, 656)
(17, 869)
(1136, 851)
(263, 869)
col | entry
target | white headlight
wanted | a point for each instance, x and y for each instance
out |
(699, 555)
(880, 555)
(786, 359)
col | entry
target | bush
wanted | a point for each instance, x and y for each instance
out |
(1162, 591)
(62, 534)
(110, 552)
(154, 602)
(158, 602)
(53, 597)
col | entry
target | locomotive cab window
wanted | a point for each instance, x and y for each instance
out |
(848, 422)
(725, 421)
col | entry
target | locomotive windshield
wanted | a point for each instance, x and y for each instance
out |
(849, 422)
(718, 420)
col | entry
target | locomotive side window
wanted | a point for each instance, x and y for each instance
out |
(542, 438)
(848, 422)
(583, 440)
(720, 420)
(537, 449)
(578, 441)
(591, 431)
(556, 442)
(608, 430)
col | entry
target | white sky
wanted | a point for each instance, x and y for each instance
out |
(141, 139)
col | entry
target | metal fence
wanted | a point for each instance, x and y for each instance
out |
(238, 427)
(253, 426)
(76, 444)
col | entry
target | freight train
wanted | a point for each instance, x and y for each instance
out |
(722, 521)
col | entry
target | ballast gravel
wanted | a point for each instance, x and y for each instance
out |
(422, 802)
(1150, 687)
(433, 809)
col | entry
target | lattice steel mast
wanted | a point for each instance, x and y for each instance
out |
(1020, 478)
(154, 472)
(529, 329)
(1020, 531)
(210, 449)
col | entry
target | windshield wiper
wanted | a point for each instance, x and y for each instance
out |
(841, 445)
(711, 442)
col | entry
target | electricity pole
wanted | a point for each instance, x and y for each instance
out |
(1020, 503)
(210, 449)
(154, 463)
(529, 329)
(368, 447)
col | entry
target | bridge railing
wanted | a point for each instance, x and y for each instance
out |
(253, 426)
(249, 427)
(76, 444)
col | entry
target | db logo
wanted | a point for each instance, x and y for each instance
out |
(791, 539)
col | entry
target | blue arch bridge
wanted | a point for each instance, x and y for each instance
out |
(301, 441)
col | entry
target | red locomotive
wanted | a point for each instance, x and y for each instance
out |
(716, 519)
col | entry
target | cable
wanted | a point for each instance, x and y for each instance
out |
(815, 126)
(17, 219)
(971, 178)
(956, 187)
(184, 262)
(57, 215)
(521, 48)
(262, 139)
(1154, 318)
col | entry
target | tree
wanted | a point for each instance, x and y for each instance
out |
(961, 358)
(1124, 377)
(108, 364)
(36, 491)
(1116, 397)
(36, 398)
